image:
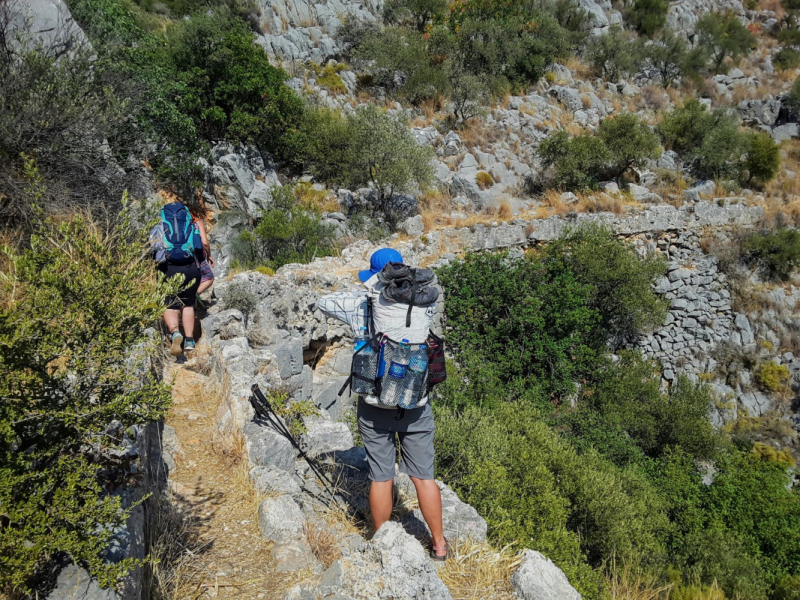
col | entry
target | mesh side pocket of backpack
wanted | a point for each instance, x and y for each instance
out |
(415, 388)
(388, 393)
(365, 368)
(437, 371)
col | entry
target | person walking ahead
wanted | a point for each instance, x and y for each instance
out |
(176, 246)
(374, 310)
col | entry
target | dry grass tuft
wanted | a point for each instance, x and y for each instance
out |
(434, 205)
(478, 572)
(324, 542)
(632, 583)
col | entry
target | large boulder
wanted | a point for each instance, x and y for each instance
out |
(266, 447)
(537, 578)
(280, 519)
(47, 23)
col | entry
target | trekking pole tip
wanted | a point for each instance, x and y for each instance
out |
(254, 388)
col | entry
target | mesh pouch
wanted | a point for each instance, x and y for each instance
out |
(365, 367)
(437, 372)
(405, 392)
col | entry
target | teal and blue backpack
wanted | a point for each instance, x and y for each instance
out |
(175, 240)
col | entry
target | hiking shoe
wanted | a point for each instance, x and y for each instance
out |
(446, 549)
(175, 348)
(188, 345)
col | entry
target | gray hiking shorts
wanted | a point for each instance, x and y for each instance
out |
(415, 430)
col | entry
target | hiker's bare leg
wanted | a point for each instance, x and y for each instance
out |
(187, 317)
(204, 285)
(430, 503)
(172, 317)
(380, 502)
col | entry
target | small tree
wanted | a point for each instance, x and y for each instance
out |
(630, 142)
(648, 16)
(763, 157)
(420, 12)
(786, 59)
(793, 99)
(684, 129)
(724, 37)
(73, 307)
(722, 153)
(577, 162)
(667, 56)
(613, 55)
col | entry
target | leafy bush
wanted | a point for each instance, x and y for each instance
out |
(776, 253)
(537, 491)
(529, 316)
(630, 143)
(647, 16)
(620, 280)
(72, 379)
(684, 129)
(239, 296)
(367, 147)
(763, 157)
(793, 99)
(722, 153)
(613, 55)
(75, 125)
(627, 398)
(201, 79)
(723, 36)
(418, 12)
(786, 58)
(286, 233)
(669, 56)
(577, 162)
(620, 143)
(398, 61)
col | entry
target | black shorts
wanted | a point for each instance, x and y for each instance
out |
(187, 295)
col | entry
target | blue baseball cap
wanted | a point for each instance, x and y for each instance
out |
(378, 260)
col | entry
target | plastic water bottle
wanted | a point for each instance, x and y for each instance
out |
(416, 376)
(395, 380)
(363, 364)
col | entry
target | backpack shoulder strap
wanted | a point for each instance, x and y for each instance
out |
(413, 299)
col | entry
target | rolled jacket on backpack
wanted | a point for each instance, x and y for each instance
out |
(389, 316)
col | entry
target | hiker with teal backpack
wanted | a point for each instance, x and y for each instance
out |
(176, 246)
(396, 362)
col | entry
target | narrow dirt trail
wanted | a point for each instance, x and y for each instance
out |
(224, 554)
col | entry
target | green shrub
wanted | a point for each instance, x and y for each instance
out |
(484, 180)
(723, 36)
(763, 158)
(787, 588)
(417, 12)
(528, 317)
(786, 59)
(630, 143)
(578, 163)
(772, 375)
(620, 280)
(793, 99)
(286, 233)
(684, 129)
(366, 147)
(776, 253)
(627, 398)
(647, 16)
(72, 364)
(722, 153)
(239, 296)
(398, 61)
(56, 110)
(613, 55)
(512, 43)
(668, 55)
(537, 491)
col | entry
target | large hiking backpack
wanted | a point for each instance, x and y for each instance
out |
(402, 286)
(175, 239)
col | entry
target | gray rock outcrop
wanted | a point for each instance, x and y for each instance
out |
(537, 578)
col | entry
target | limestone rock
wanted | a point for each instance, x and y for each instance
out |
(280, 519)
(266, 447)
(324, 436)
(274, 480)
(537, 578)
(75, 582)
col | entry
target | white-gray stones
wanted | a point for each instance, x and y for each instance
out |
(267, 447)
(75, 582)
(274, 480)
(280, 518)
(701, 188)
(413, 226)
(538, 578)
(785, 132)
(570, 97)
(324, 436)
(569, 198)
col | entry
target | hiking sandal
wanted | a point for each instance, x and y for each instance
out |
(446, 549)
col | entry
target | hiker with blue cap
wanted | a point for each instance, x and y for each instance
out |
(396, 362)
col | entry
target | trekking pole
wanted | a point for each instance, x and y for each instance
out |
(265, 412)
